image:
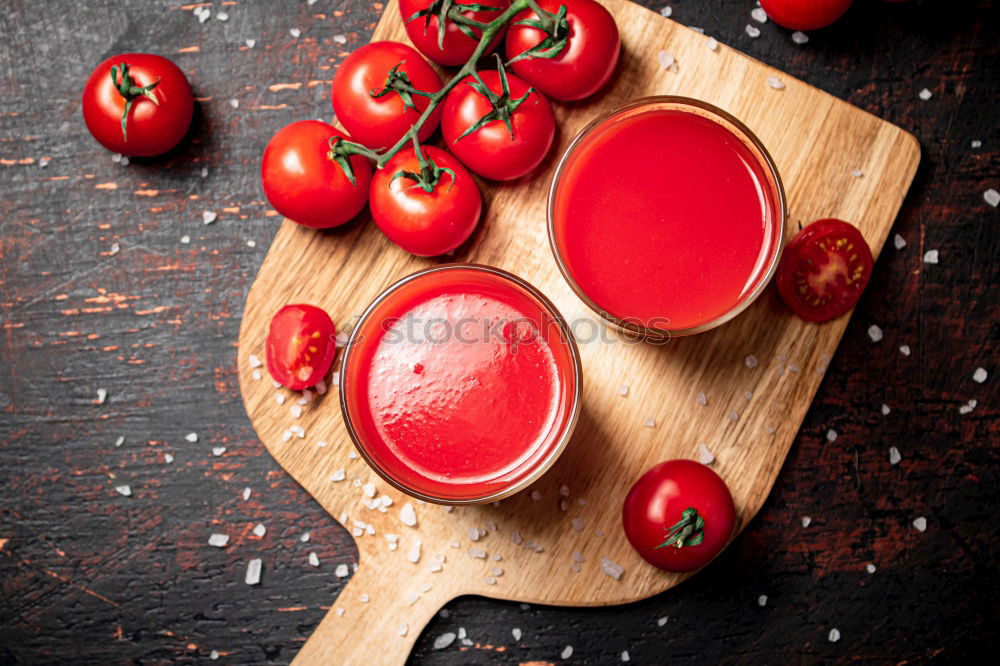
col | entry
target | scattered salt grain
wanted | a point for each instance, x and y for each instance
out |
(700, 31)
(490, 580)
(412, 598)
(256, 375)
(762, 600)
(650, 422)
(119, 441)
(666, 59)
(246, 494)
(567, 652)
(413, 555)
(444, 640)
(535, 495)
(402, 629)
(461, 632)
(125, 490)
(115, 248)
(758, 14)
(408, 515)
(904, 350)
(701, 399)
(612, 568)
(235, 103)
(209, 216)
(666, 11)
(44, 162)
(769, 429)
(259, 529)
(102, 395)
(340, 571)
(314, 559)
(295, 411)
(733, 416)
(625, 656)
(870, 568)
(368, 489)
(712, 43)
(885, 409)
(577, 524)
(661, 621)
(222, 16)
(875, 333)
(747, 395)
(204, 14)
(775, 82)
(931, 257)
(834, 636)
(705, 457)
(305, 537)
(925, 94)
(968, 407)
(806, 520)
(857, 173)
(920, 523)
(339, 475)
(253, 571)
(563, 505)
(752, 31)
(980, 375)
(976, 143)
(353, 455)
(295, 32)
(218, 450)
(623, 390)
(473, 534)
(751, 361)
(564, 490)
(251, 43)
(477, 553)
(340, 612)
(516, 538)
(831, 435)
(799, 37)
(191, 437)
(185, 240)
(168, 458)
(340, 39)
(899, 242)
(992, 197)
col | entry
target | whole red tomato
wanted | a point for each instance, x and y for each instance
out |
(301, 346)
(679, 515)
(456, 47)
(304, 184)
(585, 63)
(373, 114)
(496, 150)
(137, 104)
(805, 14)
(421, 222)
(824, 269)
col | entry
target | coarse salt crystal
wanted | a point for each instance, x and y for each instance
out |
(412, 598)
(700, 31)
(209, 216)
(413, 554)
(834, 636)
(875, 333)
(444, 640)
(925, 94)
(920, 523)
(222, 16)
(435, 567)
(747, 395)
(701, 399)
(931, 257)
(904, 350)
(661, 621)
(564, 490)
(567, 652)
(980, 375)
(279, 398)
(115, 248)
(899, 242)
(806, 520)
(976, 143)
(496, 571)
(124, 490)
(340, 39)
(623, 390)
(799, 37)
(368, 489)
(490, 580)
(251, 43)
(305, 537)
(477, 553)
(769, 429)
(625, 656)
(666, 59)
(287, 435)
(246, 494)
(256, 375)
(733, 416)
(473, 534)
(762, 600)
(408, 515)
(577, 524)
(870, 568)
(750, 361)
(340, 612)
(775, 82)
(758, 14)
(253, 571)
(665, 12)
(213, 655)
(321, 387)
(403, 628)
(831, 435)
(102, 395)
(535, 495)
(705, 457)
(894, 456)
(295, 411)
(461, 632)
(752, 31)
(295, 32)
(612, 568)
(857, 173)
(712, 43)
(168, 458)
(259, 529)
(191, 437)
(218, 450)
(119, 441)
(314, 559)
(563, 505)
(353, 455)
(650, 422)
(338, 475)
(885, 409)
(340, 571)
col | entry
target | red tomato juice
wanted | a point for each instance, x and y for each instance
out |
(459, 384)
(666, 217)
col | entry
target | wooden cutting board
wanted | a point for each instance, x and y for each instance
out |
(752, 413)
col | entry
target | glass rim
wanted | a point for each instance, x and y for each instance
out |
(767, 162)
(566, 427)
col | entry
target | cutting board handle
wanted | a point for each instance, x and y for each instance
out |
(368, 633)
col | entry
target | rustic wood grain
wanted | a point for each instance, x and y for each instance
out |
(816, 141)
(90, 577)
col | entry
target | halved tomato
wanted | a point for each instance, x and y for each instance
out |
(301, 346)
(824, 270)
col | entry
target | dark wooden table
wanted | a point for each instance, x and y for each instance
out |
(88, 576)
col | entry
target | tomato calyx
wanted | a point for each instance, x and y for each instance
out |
(556, 29)
(129, 91)
(688, 531)
(341, 151)
(449, 10)
(429, 175)
(503, 105)
(399, 82)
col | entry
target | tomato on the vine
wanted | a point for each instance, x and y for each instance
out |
(426, 223)
(805, 14)
(456, 44)
(301, 346)
(372, 93)
(679, 515)
(518, 132)
(586, 61)
(137, 104)
(824, 269)
(304, 183)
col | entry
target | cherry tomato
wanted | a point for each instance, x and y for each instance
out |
(805, 14)
(824, 269)
(456, 47)
(494, 150)
(375, 119)
(304, 184)
(425, 223)
(679, 515)
(585, 63)
(146, 110)
(301, 346)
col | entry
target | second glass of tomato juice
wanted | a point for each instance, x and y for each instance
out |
(461, 384)
(666, 216)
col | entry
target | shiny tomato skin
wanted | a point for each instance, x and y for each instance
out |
(805, 14)
(584, 65)
(427, 224)
(152, 129)
(824, 270)
(457, 46)
(380, 122)
(301, 346)
(304, 185)
(490, 151)
(656, 502)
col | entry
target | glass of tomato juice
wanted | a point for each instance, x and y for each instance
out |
(666, 216)
(461, 384)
